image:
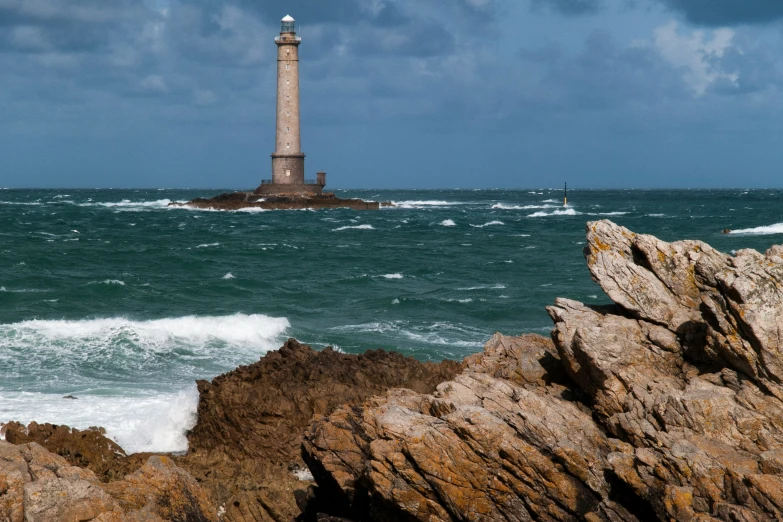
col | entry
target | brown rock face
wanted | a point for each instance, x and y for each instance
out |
(261, 410)
(665, 406)
(294, 201)
(39, 486)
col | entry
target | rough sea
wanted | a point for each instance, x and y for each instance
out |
(115, 298)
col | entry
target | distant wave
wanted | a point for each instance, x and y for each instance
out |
(503, 206)
(228, 276)
(498, 286)
(448, 223)
(126, 203)
(607, 213)
(566, 212)
(777, 228)
(207, 245)
(427, 203)
(354, 227)
(392, 276)
(489, 224)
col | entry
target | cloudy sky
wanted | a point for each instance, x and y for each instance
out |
(395, 93)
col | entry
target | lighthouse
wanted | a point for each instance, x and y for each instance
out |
(288, 174)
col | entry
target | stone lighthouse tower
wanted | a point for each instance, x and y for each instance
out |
(288, 158)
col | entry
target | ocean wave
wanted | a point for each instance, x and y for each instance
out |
(426, 204)
(228, 276)
(126, 203)
(392, 276)
(566, 212)
(489, 224)
(503, 206)
(497, 286)
(442, 334)
(254, 332)
(448, 223)
(607, 213)
(777, 228)
(148, 422)
(354, 227)
(207, 245)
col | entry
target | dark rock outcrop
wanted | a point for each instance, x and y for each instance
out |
(245, 200)
(262, 410)
(664, 406)
(251, 420)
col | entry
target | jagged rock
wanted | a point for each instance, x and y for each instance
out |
(479, 448)
(88, 448)
(261, 410)
(663, 406)
(39, 486)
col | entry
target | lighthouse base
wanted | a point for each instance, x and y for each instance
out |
(268, 187)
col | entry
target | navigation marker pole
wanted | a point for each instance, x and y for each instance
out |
(565, 195)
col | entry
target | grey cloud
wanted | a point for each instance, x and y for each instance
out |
(728, 12)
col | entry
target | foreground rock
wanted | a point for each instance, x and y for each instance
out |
(244, 450)
(249, 200)
(39, 486)
(664, 406)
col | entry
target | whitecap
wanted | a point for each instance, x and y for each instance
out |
(229, 276)
(503, 206)
(609, 214)
(426, 204)
(491, 223)
(777, 228)
(207, 245)
(392, 276)
(566, 212)
(395, 301)
(448, 223)
(109, 282)
(498, 286)
(355, 227)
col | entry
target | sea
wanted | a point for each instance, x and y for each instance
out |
(119, 300)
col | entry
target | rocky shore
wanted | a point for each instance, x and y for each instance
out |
(250, 200)
(665, 405)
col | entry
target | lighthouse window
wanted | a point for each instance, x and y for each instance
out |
(288, 129)
(288, 82)
(287, 145)
(287, 67)
(287, 172)
(288, 113)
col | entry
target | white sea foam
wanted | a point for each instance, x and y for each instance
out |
(128, 204)
(392, 276)
(551, 201)
(142, 416)
(116, 282)
(448, 223)
(566, 212)
(154, 422)
(503, 206)
(395, 301)
(426, 204)
(490, 224)
(2, 289)
(609, 214)
(498, 286)
(207, 245)
(354, 227)
(238, 330)
(229, 275)
(777, 228)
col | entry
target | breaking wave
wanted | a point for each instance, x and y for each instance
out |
(354, 227)
(777, 228)
(566, 212)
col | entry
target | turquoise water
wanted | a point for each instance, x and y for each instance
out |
(116, 298)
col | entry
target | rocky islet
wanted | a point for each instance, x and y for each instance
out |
(662, 406)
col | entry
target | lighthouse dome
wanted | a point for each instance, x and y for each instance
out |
(288, 18)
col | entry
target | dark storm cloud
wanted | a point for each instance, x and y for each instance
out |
(728, 12)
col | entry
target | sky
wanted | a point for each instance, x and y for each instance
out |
(395, 93)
